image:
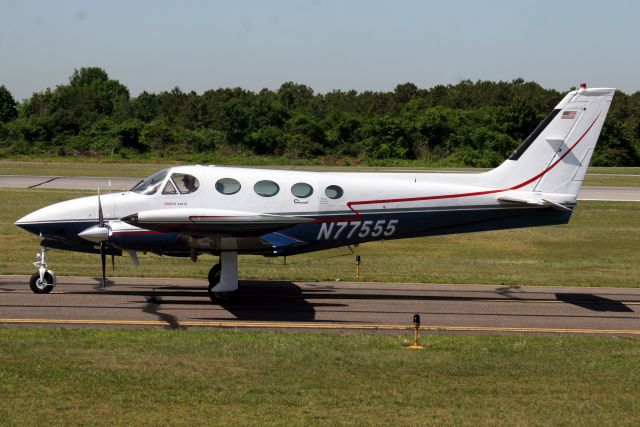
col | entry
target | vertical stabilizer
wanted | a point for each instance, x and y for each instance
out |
(555, 157)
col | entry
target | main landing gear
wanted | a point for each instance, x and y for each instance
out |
(223, 277)
(42, 281)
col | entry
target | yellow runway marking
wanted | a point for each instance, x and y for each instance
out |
(317, 325)
(524, 301)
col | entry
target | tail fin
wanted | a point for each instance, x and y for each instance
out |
(555, 157)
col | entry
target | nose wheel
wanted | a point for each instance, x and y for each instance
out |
(42, 285)
(223, 277)
(42, 281)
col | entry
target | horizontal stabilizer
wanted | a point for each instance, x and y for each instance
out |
(532, 202)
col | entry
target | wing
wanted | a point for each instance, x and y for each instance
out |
(212, 221)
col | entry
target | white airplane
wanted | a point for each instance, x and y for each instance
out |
(190, 210)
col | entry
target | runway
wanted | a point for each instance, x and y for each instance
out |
(121, 184)
(319, 306)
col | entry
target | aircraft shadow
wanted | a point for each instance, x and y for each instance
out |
(593, 302)
(153, 307)
(259, 301)
(275, 301)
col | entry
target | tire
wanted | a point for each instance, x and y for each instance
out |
(44, 287)
(214, 279)
(214, 275)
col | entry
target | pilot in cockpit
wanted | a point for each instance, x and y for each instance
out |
(189, 182)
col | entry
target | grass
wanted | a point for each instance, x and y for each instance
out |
(601, 177)
(150, 377)
(599, 247)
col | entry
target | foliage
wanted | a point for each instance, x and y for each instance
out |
(8, 106)
(465, 124)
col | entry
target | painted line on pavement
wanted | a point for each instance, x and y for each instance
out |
(44, 182)
(439, 298)
(318, 325)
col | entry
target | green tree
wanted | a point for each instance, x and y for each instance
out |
(158, 136)
(87, 76)
(8, 106)
(236, 122)
(385, 138)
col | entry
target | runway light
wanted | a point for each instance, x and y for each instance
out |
(358, 260)
(416, 333)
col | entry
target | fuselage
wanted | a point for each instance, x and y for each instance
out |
(276, 212)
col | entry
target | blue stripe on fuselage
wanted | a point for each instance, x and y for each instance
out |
(345, 231)
(418, 224)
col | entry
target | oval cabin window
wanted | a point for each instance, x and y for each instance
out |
(333, 192)
(302, 190)
(227, 186)
(266, 188)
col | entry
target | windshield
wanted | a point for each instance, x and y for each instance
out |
(151, 184)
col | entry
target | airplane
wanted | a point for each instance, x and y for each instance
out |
(186, 211)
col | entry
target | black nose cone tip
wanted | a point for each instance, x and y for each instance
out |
(29, 226)
(130, 219)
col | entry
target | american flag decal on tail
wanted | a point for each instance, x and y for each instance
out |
(569, 115)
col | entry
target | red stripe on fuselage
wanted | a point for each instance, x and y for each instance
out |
(454, 196)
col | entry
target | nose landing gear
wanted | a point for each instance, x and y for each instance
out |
(42, 281)
(223, 277)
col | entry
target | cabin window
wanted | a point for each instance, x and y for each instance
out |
(302, 190)
(266, 188)
(333, 192)
(169, 188)
(150, 185)
(185, 183)
(227, 186)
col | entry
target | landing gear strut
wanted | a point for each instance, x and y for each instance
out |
(42, 281)
(223, 277)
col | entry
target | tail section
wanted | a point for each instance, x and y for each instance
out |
(555, 157)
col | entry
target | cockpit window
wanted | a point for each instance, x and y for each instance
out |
(185, 183)
(169, 188)
(151, 184)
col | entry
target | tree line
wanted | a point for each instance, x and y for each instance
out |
(464, 124)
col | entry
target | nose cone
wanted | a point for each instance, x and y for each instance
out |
(64, 218)
(32, 222)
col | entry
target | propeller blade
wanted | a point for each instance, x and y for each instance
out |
(113, 262)
(103, 259)
(100, 215)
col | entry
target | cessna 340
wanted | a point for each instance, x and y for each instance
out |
(189, 210)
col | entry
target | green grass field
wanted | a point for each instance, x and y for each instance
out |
(599, 247)
(609, 177)
(51, 376)
(149, 377)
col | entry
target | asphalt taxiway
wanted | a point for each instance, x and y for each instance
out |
(184, 304)
(106, 184)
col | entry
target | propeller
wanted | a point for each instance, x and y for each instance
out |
(103, 243)
(103, 259)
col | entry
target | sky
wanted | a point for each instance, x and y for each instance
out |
(344, 44)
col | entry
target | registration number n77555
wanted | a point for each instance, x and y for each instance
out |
(359, 229)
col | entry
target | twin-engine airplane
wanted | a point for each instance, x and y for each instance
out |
(190, 210)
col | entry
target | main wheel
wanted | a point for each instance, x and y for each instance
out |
(214, 279)
(214, 275)
(43, 286)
